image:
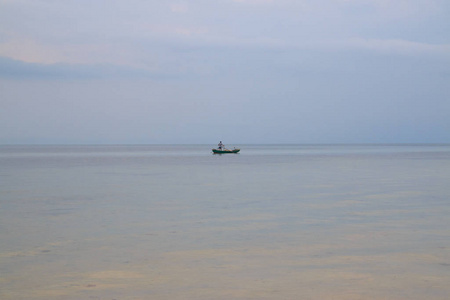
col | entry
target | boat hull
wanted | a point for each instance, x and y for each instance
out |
(217, 151)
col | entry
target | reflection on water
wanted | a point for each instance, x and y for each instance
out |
(273, 222)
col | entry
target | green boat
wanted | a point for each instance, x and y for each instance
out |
(223, 151)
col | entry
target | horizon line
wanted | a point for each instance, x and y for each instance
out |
(193, 144)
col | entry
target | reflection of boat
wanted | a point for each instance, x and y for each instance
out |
(223, 151)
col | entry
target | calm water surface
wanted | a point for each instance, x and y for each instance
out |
(273, 222)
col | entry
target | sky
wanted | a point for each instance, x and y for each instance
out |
(240, 71)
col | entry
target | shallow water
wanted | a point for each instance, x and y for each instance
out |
(272, 222)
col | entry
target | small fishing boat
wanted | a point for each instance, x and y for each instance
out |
(223, 151)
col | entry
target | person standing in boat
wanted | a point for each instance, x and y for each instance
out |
(220, 145)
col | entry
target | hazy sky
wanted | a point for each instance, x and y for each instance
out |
(240, 71)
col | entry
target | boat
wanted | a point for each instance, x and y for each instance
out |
(223, 151)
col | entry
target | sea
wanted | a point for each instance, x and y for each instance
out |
(122, 222)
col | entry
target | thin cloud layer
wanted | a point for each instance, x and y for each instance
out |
(14, 69)
(129, 32)
(276, 71)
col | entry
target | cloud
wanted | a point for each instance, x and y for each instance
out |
(179, 8)
(254, 1)
(15, 69)
(388, 9)
(398, 46)
(281, 66)
(150, 34)
(379, 46)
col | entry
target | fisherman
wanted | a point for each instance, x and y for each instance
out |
(220, 145)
